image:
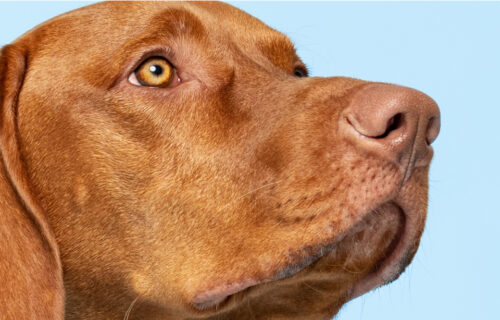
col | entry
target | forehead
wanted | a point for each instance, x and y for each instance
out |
(97, 44)
(110, 27)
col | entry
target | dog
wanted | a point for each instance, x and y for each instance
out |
(167, 160)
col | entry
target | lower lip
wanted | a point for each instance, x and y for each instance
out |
(392, 265)
(209, 300)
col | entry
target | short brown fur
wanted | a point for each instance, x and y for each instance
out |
(142, 200)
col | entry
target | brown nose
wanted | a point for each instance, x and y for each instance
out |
(394, 122)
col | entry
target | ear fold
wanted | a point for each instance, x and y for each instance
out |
(31, 284)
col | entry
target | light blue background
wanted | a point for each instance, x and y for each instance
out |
(451, 51)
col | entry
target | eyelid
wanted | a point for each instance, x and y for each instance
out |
(160, 51)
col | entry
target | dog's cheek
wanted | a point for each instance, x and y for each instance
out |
(88, 168)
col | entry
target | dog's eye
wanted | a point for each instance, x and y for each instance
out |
(154, 72)
(300, 72)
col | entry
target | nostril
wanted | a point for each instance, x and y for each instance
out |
(393, 124)
(433, 128)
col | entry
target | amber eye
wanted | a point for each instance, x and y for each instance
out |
(155, 72)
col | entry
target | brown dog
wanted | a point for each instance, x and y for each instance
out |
(172, 161)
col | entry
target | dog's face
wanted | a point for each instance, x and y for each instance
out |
(189, 168)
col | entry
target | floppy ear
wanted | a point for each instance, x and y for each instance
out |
(31, 285)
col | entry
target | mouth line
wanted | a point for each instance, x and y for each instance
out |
(384, 271)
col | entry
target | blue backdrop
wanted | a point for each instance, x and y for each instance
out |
(451, 51)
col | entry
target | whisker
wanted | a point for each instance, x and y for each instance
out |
(129, 310)
(250, 192)
(346, 269)
(313, 288)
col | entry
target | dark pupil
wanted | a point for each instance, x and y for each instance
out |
(156, 69)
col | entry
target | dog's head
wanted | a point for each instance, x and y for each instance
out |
(189, 168)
